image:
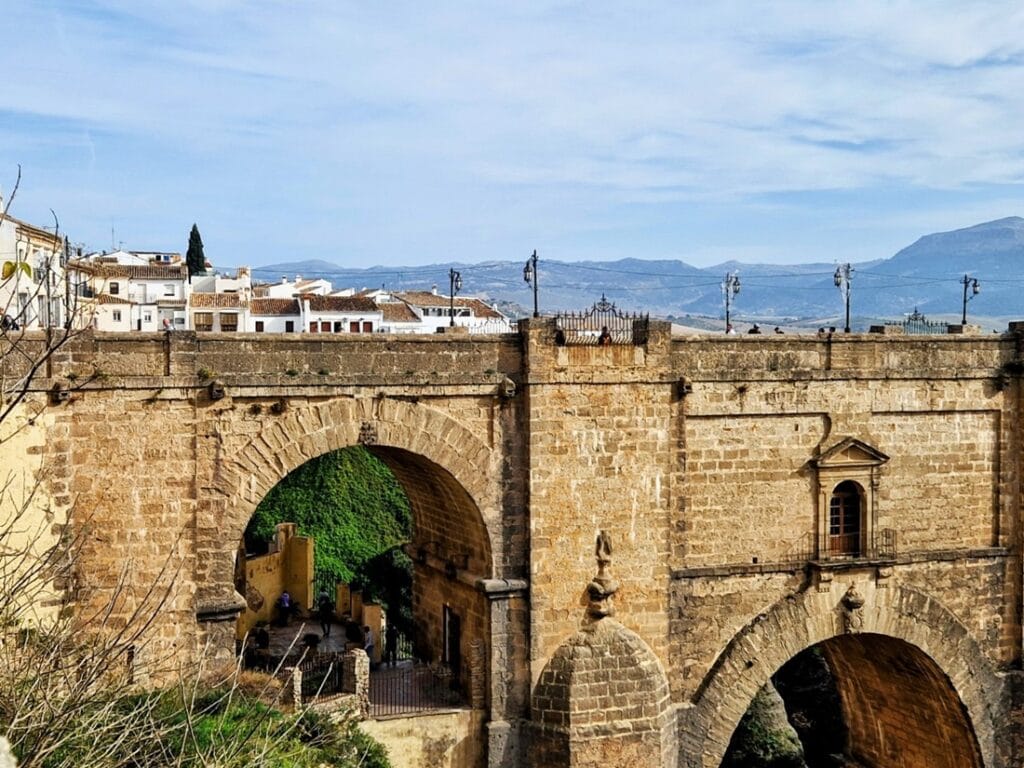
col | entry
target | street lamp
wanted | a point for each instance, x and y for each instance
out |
(530, 276)
(975, 287)
(730, 287)
(842, 280)
(456, 285)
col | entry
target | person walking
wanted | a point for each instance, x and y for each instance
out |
(368, 642)
(391, 645)
(325, 611)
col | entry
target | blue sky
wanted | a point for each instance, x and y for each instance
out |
(410, 133)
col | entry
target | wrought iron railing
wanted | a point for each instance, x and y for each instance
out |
(916, 324)
(881, 545)
(602, 324)
(411, 687)
(322, 675)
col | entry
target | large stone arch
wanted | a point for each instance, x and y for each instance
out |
(811, 617)
(445, 468)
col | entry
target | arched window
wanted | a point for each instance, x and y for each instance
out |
(844, 520)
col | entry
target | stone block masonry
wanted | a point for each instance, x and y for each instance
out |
(713, 463)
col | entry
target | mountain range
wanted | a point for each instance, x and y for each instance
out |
(926, 275)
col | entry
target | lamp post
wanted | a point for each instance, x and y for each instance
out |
(975, 287)
(456, 285)
(530, 276)
(730, 287)
(842, 280)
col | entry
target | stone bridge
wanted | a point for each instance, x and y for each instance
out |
(762, 495)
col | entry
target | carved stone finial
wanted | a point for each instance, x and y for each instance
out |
(602, 587)
(853, 611)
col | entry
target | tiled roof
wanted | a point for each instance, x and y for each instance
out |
(106, 298)
(214, 300)
(274, 307)
(428, 299)
(341, 304)
(398, 312)
(152, 272)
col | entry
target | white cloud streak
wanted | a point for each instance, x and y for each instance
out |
(354, 120)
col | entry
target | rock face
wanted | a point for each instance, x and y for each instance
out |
(808, 689)
(764, 737)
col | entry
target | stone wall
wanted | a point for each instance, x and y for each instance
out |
(702, 458)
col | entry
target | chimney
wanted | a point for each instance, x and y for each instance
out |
(433, 289)
(284, 279)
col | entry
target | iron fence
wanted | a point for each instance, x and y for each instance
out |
(916, 324)
(880, 545)
(321, 675)
(411, 687)
(602, 324)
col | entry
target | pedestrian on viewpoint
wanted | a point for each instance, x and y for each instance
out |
(605, 339)
(284, 606)
(368, 642)
(755, 329)
(325, 610)
(391, 645)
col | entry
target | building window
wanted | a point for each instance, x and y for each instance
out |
(259, 326)
(313, 326)
(367, 327)
(338, 326)
(203, 321)
(325, 326)
(117, 315)
(289, 326)
(168, 289)
(353, 327)
(115, 288)
(147, 318)
(228, 321)
(844, 520)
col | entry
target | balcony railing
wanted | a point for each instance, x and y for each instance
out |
(880, 545)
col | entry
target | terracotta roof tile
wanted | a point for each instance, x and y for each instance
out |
(166, 272)
(106, 298)
(274, 307)
(341, 304)
(215, 300)
(428, 299)
(398, 312)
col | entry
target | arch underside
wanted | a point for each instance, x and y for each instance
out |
(911, 662)
(900, 709)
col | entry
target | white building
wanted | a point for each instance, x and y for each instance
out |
(34, 295)
(149, 297)
(435, 311)
(340, 314)
(275, 316)
(287, 289)
(223, 312)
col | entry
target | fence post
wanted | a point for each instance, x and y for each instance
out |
(355, 679)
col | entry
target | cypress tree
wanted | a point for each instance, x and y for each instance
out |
(194, 258)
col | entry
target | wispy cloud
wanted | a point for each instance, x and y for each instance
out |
(403, 133)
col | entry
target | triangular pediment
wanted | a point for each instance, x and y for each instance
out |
(850, 452)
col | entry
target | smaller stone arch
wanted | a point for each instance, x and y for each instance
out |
(602, 699)
(802, 620)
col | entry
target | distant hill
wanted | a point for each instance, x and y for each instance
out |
(925, 275)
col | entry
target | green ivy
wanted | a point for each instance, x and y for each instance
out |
(350, 503)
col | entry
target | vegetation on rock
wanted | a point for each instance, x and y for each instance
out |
(358, 515)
